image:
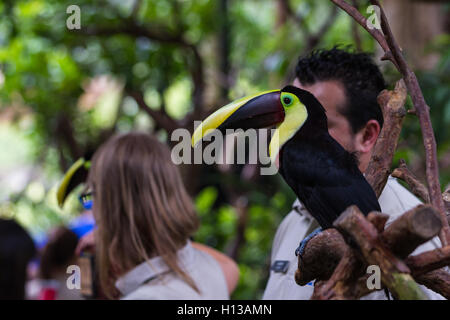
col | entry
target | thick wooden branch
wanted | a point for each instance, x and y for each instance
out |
(412, 229)
(402, 236)
(416, 187)
(394, 272)
(337, 287)
(322, 255)
(326, 254)
(392, 104)
(378, 220)
(436, 280)
(429, 261)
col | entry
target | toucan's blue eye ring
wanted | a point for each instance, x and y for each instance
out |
(287, 100)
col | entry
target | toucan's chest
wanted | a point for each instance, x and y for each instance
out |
(315, 160)
(325, 177)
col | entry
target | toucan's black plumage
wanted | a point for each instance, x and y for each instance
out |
(323, 175)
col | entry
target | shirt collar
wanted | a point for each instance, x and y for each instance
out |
(298, 207)
(148, 270)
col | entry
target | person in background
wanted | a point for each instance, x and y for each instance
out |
(347, 85)
(144, 221)
(57, 255)
(16, 251)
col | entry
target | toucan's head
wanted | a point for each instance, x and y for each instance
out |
(76, 175)
(289, 109)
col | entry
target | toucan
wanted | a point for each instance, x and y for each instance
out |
(324, 176)
(75, 175)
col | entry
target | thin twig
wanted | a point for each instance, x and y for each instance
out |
(162, 119)
(403, 173)
(377, 34)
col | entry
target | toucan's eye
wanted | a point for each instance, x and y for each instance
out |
(287, 100)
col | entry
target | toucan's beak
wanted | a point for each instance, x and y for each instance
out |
(257, 111)
(76, 174)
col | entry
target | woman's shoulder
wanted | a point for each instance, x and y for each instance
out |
(198, 265)
(205, 271)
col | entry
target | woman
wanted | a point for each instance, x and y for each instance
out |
(144, 219)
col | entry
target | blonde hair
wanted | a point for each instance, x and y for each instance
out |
(141, 207)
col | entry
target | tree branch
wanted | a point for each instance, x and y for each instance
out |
(328, 251)
(403, 173)
(314, 39)
(394, 54)
(377, 34)
(392, 105)
(394, 272)
(429, 261)
(162, 119)
(312, 265)
(163, 35)
(437, 280)
(411, 229)
(422, 111)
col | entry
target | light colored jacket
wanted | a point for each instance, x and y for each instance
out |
(152, 280)
(394, 201)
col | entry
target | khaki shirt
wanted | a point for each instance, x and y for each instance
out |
(152, 280)
(394, 201)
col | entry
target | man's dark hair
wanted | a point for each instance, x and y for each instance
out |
(361, 78)
(58, 252)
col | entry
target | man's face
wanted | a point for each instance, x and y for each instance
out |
(331, 95)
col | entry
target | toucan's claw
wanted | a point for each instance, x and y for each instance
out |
(301, 248)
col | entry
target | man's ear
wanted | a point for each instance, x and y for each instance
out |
(367, 136)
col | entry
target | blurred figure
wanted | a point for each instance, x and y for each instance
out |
(144, 220)
(16, 251)
(55, 257)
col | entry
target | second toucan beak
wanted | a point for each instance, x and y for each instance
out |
(76, 175)
(257, 111)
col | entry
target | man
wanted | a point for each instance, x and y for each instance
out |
(347, 85)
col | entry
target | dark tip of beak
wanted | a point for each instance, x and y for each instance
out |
(260, 112)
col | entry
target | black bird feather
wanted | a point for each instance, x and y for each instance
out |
(323, 175)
